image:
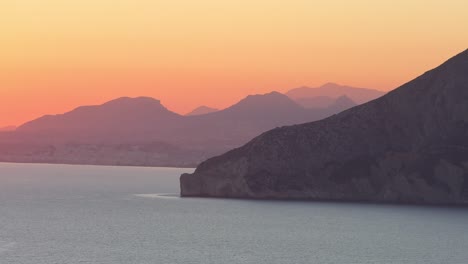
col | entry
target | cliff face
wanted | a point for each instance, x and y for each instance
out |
(410, 145)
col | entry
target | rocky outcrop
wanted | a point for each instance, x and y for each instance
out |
(410, 146)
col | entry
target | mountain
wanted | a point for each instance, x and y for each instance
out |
(315, 102)
(265, 110)
(410, 146)
(122, 119)
(202, 110)
(7, 128)
(256, 114)
(143, 119)
(342, 103)
(325, 102)
(141, 131)
(306, 95)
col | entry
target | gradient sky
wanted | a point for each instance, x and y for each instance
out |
(59, 54)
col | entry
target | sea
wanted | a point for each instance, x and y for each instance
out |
(59, 214)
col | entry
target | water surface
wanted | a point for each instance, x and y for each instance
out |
(91, 214)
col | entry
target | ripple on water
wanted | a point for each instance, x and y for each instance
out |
(6, 246)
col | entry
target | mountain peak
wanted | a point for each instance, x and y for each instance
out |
(273, 94)
(330, 84)
(334, 90)
(344, 99)
(202, 110)
(273, 102)
(269, 99)
(109, 115)
(343, 102)
(134, 100)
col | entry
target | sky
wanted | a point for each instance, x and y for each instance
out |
(58, 54)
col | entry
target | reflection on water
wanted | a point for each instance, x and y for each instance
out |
(159, 195)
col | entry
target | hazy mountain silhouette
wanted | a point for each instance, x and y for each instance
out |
(201, 110)
(267, 110)
(112, 128)
(342, 103)
(315, 102)
(122, 119)
(143, 118)
(410, 145)
(256, 114)
(306, 95)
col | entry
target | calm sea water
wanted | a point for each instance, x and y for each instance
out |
(90, 214)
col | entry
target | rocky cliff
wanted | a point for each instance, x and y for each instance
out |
(410, 145)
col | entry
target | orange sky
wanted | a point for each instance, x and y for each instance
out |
(59, 54)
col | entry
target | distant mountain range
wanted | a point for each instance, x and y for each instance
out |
(409, 146)
(120, 120)
(141, 131)
(324, 95)
(201, 110)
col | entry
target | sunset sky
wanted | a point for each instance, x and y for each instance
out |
(59, 54)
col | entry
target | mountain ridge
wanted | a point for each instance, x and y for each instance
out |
(333, 90)
(123, 126)
(409, 146)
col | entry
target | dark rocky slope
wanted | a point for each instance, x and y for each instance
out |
(410, 145)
